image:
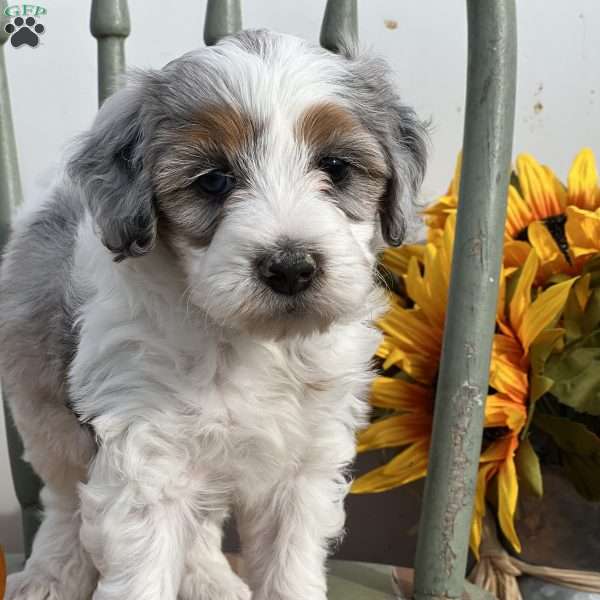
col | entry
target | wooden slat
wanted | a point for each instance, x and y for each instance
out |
(110, 25)
(340, 25)
(223, 17)
(10, 183)
(462, 385)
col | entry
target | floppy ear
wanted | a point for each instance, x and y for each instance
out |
(406, 148)
(401, 134)
(109, 168)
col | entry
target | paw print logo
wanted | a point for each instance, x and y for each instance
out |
(24, 32)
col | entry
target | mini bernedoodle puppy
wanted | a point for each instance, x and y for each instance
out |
(186, 321)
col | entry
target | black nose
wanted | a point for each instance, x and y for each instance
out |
(288, 271)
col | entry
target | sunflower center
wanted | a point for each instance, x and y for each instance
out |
(491, 434)
(556, 227)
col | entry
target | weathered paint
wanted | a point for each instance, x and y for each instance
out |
(463, 377)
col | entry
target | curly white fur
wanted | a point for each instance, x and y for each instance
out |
(158, 395)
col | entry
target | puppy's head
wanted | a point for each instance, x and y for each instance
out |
(272, 170)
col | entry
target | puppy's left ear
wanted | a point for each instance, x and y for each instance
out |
(109, 168)
(405, 144)
(402, 136)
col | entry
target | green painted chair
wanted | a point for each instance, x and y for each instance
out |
(376, 531)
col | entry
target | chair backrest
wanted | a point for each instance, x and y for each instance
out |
(376, 524)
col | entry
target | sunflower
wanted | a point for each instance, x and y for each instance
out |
(413, 331)
(562, 223)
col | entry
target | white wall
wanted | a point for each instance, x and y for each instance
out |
(53, 87)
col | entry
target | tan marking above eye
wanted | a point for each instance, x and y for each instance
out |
(327, 126)
(324, 123)
(224, 127)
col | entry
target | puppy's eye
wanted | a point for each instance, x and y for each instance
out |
(336, 168)
(215, 183)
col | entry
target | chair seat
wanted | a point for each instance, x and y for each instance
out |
(359, 581)
(347, 580)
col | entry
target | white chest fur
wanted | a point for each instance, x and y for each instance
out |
(202, 403)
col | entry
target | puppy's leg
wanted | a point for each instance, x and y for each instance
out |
(59, 450)
(145, 495)
(59, 568)
(285, 540)
(207, 574)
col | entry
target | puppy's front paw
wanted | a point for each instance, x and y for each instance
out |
(198, 585)
(27, 586)
(32, 585)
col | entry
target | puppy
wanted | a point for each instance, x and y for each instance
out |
(186, 322)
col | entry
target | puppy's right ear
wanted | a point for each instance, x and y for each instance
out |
(109, 168)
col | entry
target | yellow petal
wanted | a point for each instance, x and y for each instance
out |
(385, 348)
(544, 311)
(436, 215)
(552, 260)
(515, 253)
(501, 306)
(393, 432)
(410, 329)
(518, 214)
(436, 285)
(545, 245)
(427, 291)
(409, 465)
(397, 394)
(509, 379)
(583, 231)
(502, 411)
(539, 188)
(446, 248)
(397, 259)
(559, 189)
(508, 493)
(418, 366)
(483, 476)
(497, 451)
(410, 460)
(583, 181)
(507, 349)
(507, 375)
(521, 299)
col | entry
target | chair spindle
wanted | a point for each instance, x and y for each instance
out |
(223, 17)
(110, 25)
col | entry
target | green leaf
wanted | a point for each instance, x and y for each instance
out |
(528, 468)
(580, 452)
(556, 278)
(573, 316)
(591, 317)
(576, 374)
(545, 344)
(592, 266)
(539, 384)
